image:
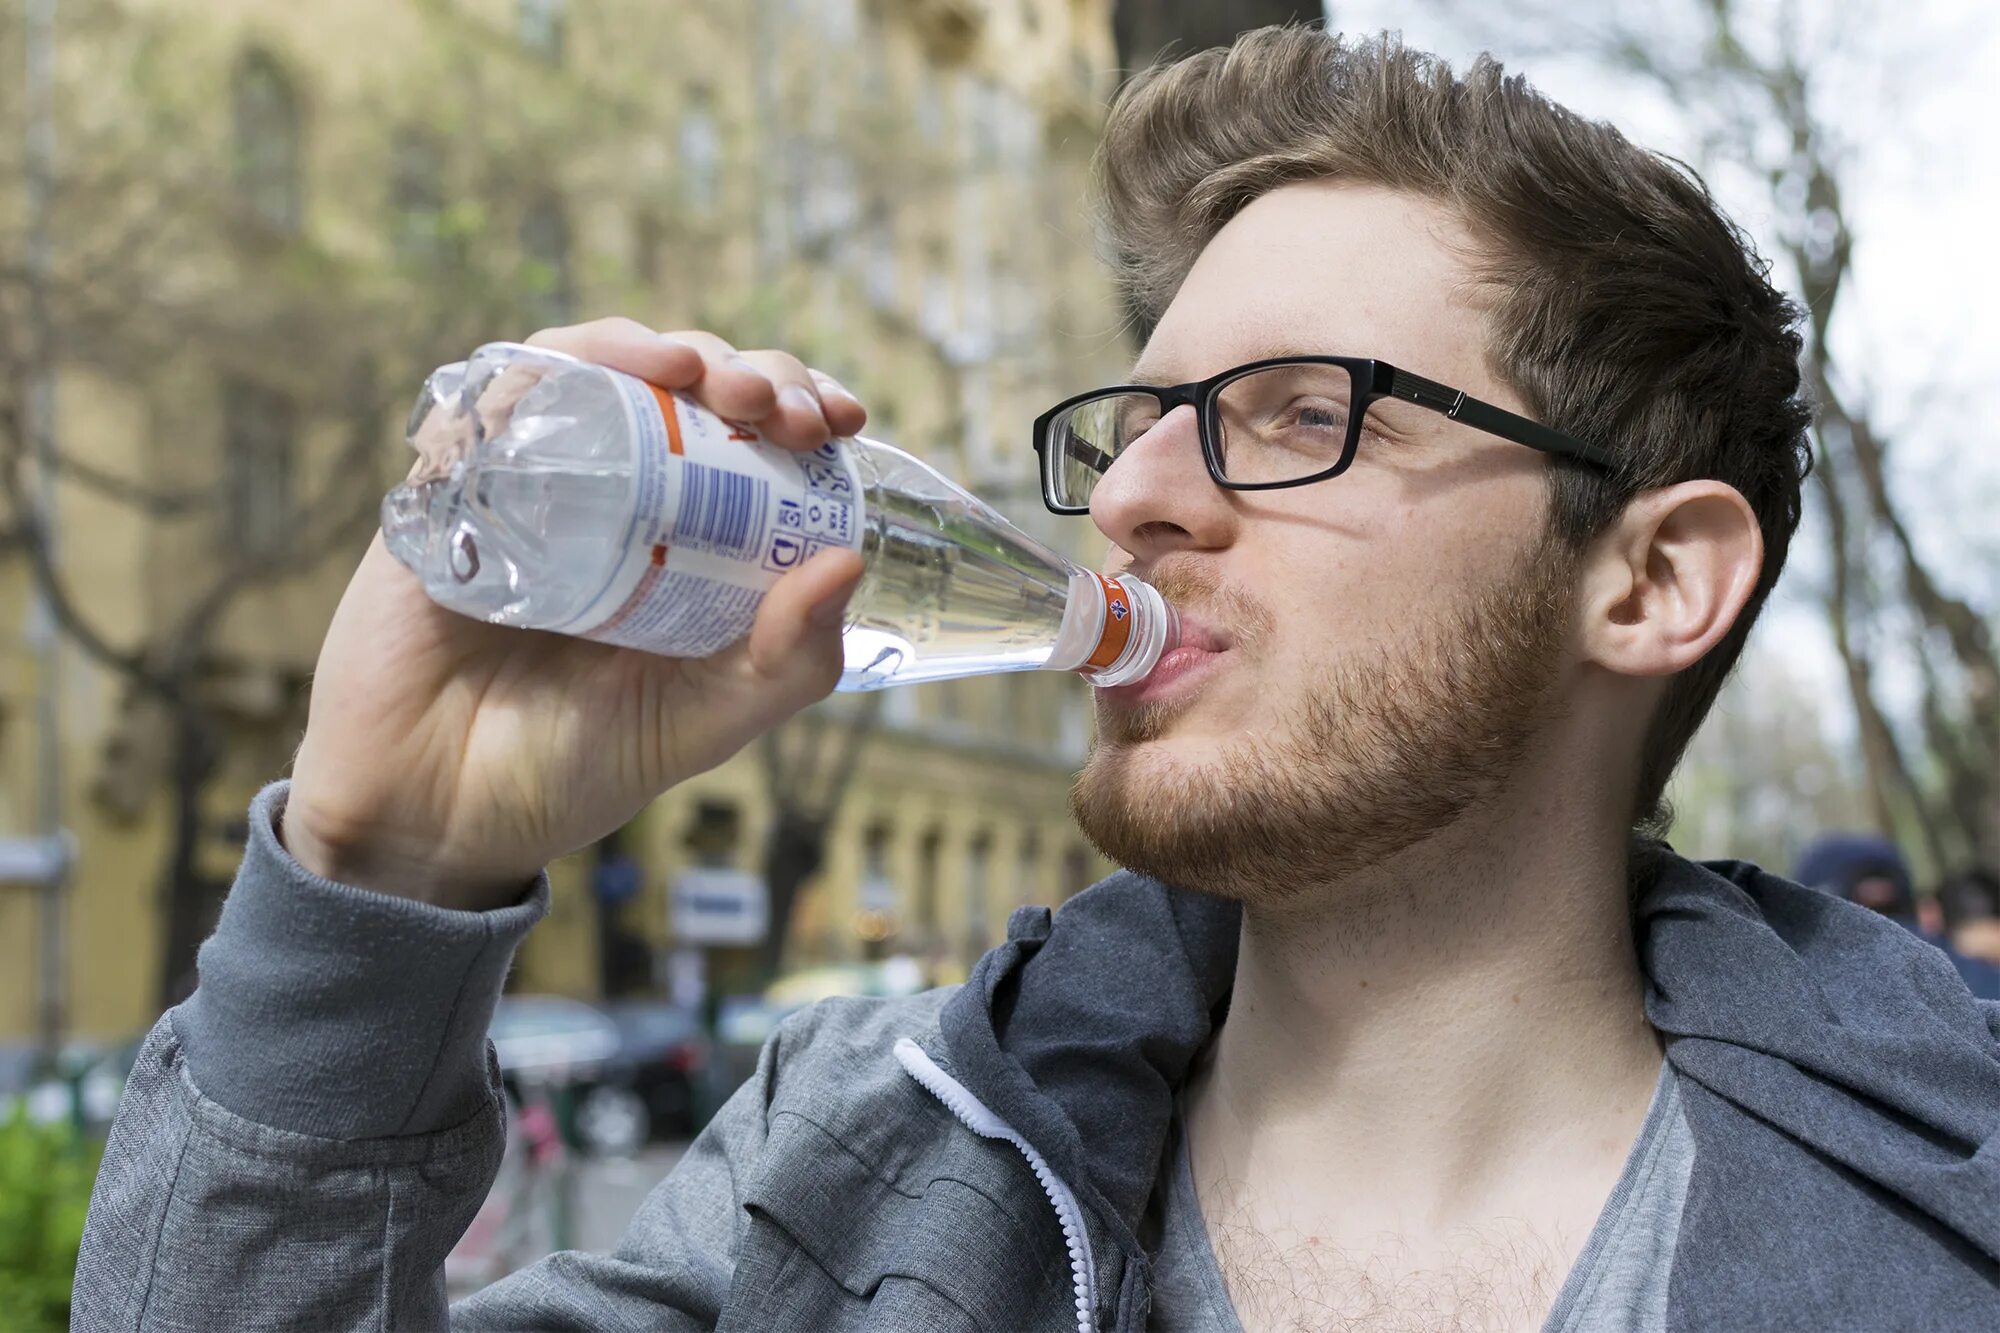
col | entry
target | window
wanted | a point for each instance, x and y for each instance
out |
(700, 154)
(878, 892)
(978, 893)
(713, 836)
(259, 430)
(1023, 719)
(545, 247)
(539, 25)
(1028, 886)
(1074, 726)
(929, 849)
(1076, 875)
(266, 113)
(416, 197)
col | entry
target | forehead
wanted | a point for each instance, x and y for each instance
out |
(1323, 268)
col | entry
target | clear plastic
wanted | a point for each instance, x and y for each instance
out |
(530, 481)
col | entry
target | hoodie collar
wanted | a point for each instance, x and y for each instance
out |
(1819, 1017)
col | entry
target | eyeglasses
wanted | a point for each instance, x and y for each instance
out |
(1270, 424)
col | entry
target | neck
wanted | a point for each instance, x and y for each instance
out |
(1436, 1032)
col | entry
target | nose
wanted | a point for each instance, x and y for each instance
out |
(1157, 495)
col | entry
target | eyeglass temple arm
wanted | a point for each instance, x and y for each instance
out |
(1455, 404)
(1088, 454)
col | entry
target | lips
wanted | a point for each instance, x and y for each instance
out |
(1200, 650)
(1175, 674)
(1197, 634)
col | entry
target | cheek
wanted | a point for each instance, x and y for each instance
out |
(1379, 576)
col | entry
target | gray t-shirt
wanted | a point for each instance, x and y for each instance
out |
(1619, 1283)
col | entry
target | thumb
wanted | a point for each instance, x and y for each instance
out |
(802, 614)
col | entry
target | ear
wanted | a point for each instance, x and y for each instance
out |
(1664, 584)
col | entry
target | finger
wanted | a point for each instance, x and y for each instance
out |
(844, 412)
(798, 421)
(729, 385)
(796, 636)
(625, 344)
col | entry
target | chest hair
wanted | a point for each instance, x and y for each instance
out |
(1502, 1276)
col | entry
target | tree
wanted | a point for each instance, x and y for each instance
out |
(184, 257)
(1882, 589)
(1761, 92)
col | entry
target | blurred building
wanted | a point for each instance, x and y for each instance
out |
(272, 219)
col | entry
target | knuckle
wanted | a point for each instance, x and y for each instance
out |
(709, 344)
(780, 365)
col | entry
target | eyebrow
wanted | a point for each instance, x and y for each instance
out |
(1269, 352)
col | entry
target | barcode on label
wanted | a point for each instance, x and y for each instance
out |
(721, 511)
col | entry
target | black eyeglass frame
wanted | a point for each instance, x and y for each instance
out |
(1382, 380)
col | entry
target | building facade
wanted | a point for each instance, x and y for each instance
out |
(275, 217)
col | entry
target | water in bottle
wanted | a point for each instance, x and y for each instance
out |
(555, 494)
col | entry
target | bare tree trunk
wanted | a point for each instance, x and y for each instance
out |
(193, 899)
(1891, 788)
(808, 788)
(1945, 779)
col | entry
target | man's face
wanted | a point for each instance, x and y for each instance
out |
(1366, 658)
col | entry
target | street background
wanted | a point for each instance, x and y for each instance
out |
(236, 234)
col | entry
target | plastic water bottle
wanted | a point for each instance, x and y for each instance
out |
(554, 494)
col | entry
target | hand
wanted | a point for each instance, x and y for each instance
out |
(449, 760)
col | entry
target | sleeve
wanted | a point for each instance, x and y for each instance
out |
(302, 1142)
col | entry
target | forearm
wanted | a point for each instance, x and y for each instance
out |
(303, 1141)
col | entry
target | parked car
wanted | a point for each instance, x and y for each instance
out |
(662, 1056)
(743, 1022)
(631, 1066)
(550, 1047)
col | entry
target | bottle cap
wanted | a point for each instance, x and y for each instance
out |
(1139, 626)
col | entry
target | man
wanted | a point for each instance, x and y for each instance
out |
(1869, 869)
(1971, 902)
(1395, 1051)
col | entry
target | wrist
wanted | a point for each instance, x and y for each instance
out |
(359, 860)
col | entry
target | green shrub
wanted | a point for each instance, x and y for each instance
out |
(45, 1177)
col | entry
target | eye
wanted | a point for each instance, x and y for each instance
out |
(1322, 415)
(1309, 424)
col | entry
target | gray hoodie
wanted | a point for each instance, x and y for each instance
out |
(305, 1138)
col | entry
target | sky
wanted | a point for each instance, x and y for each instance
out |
(1913, 98)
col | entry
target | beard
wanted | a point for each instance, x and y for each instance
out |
(1379, 752)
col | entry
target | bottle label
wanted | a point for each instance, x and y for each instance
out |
(719, 515)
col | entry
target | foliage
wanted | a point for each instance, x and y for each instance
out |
(45, 1178)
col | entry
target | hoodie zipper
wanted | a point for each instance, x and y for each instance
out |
(975, 1116)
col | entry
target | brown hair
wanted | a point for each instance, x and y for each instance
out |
(1624, 308)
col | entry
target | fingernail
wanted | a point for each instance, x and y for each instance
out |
(800, 397)
(672, 341)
